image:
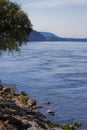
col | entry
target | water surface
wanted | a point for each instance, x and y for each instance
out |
(53, 71)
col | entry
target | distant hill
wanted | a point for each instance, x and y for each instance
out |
(47, 36)
(36, 36)
(50, 36)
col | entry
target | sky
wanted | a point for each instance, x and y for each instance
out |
(66, 18)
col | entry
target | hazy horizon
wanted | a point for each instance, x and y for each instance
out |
(62, 17)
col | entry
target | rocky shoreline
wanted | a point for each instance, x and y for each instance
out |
(19, 112)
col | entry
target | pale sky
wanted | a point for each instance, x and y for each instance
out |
(66, 18)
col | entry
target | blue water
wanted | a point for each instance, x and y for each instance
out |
(55, 72)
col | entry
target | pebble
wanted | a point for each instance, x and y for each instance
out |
(50, 111)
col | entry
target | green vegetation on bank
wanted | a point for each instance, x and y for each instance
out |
(15, 26)
(72, 126)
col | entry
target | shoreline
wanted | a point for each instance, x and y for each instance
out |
(19, 112)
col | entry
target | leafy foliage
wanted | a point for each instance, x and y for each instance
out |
(15, 26)
(72, 126)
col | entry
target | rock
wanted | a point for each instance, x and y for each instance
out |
(22, 93)
(37, 107)
(31, 102)
(1, 88)
(55, 129)
(35, 110)
(50, 111)
(42, 129)
(5, 89)
(5, 126)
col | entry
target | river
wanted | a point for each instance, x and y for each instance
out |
(51, 71)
